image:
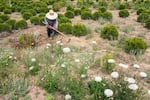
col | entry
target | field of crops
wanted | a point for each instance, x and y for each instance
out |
(103, 55)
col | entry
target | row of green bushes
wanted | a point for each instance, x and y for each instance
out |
(144, 16)
(13, 24)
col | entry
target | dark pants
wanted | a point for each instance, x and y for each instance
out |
(51, 32)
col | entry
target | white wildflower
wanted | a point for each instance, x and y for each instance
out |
(10, 57)
(63, 65)
(108, 92)
(66, 50)
(111, 61)
(114, 74)
(31, 68)
(83, 75)
(143, 74)
(123, 65)
(98, 79)
(15, 58)
(77, 60)
(136, 66)
(131, 80)
(94, 42)
(33, 60)
(133, 86)
(68, 97)
(61, 44)
(148, 92)
(48, 45)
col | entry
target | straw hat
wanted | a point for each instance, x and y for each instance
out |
(51, 15)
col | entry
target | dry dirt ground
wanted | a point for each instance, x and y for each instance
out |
(85, 42)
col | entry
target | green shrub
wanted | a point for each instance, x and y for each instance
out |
(135, 46)
(102, 3)
(32, 11)
(109, 32)
(4, 17)
(147, 23)
(35, 20)
(70, 8)
(122, 6)
(26, 15)
(107, 66)
(26, 40)
(142, 17)
(11, 22)
(96, 15)
(97, 89)
(66, 28)
(4, 27)
(7, 11)
(86, 15)
(79, 30)
(41, 15)
(22, 24)
(77, 11)
(42, 9)
(57, 5)
(107, 15)
(64, 20)
(69, 14)
(102, 9)
(141, 10)
(123, 13)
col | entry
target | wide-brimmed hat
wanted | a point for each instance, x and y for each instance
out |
(51, 15)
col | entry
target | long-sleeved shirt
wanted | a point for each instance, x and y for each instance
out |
(53, 23)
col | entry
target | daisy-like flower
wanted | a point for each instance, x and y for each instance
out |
(108, 92)
(61, 44)
(63, 65)
(67, 97)
(111, 61)
(133, 86)
(123, 65)
(94, 42)
(31, 68)
(131, 80)
(136, 66)
(98, 79)
(66, 50)
(148, 92)
(33, 60)
(77, 60)
(48, 45)
(83, 75)
(114, 74)
(10, 57)
(143, 74)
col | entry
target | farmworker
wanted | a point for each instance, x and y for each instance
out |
(51, 23)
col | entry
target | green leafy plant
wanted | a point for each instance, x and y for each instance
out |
(96, 15)
(7, 11)
(35, 20)
(107, 15)
(124, 13)
(26, 40)
(109, 32)
(141, 10)
(135, 46)
(79, 30)
(26, 15)
(4, 17)
(64, 20)
(57, 5)
(69, 14)
(11, 22)
(4, 27)
(66, 28)
(97, 89)
(86, 15)
(21, 24)
(77, 11)
(102, 9)
(147, 23)
(142, 17)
